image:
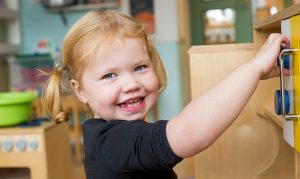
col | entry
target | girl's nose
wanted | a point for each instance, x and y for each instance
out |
(131, 84)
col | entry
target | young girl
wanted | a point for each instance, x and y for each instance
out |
(115, 70)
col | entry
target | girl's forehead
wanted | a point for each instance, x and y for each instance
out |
(116, 45)
(112, 46)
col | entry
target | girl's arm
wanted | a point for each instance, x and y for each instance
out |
(204, 119)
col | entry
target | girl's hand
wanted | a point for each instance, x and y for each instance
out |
(267, 55)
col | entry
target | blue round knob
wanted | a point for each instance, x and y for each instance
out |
(21, 145)
(33, 145)
(277, 102)
(7, 145)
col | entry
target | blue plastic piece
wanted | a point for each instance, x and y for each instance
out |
(286, 62)
(277, 102)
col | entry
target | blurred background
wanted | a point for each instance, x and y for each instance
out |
(32, 32)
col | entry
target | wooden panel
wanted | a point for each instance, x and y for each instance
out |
(194, 50)
(186, 168)
(58, 152)
(253, 146)
(274, 20)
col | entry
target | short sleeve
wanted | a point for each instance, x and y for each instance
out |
(137, 145)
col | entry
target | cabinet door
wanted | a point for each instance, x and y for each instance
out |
(253, 147)
(295, 43)
(291, 129)
(288, 126)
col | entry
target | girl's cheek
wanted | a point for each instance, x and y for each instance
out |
(111, 92)
(154, 82)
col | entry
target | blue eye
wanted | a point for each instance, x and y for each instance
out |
(109, 76)
(140, 68)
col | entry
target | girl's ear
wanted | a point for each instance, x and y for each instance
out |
(78, 91)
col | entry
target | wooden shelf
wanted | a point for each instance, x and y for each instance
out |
(8, 14)
(85, 7)
(9, 49)
(273, 22)
(220, 48)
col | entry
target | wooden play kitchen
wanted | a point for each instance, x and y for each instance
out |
(43, 149)
(256, 145)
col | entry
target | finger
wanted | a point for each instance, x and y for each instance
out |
(286, 72)
(285, 40)
(278, 39)
(276, 72)
(283, 45)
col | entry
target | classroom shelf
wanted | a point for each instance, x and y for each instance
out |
(8, 49)
(8, 14)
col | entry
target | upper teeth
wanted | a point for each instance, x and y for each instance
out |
(133, 100)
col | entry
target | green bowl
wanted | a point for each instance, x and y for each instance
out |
(15, 107)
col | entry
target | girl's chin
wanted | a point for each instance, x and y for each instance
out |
(132, 116)
(134, 119)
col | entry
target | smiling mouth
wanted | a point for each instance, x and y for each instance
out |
(132, 103)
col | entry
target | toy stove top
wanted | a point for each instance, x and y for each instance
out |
(25, 137)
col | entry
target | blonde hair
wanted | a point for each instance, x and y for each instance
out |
(82, 41)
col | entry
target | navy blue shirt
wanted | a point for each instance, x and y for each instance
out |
(127, 149)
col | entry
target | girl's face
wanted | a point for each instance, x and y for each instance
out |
(120, 83)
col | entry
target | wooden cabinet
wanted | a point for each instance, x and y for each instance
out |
(253, 147)
(46, 154)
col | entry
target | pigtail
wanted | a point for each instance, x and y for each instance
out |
(52, 97)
